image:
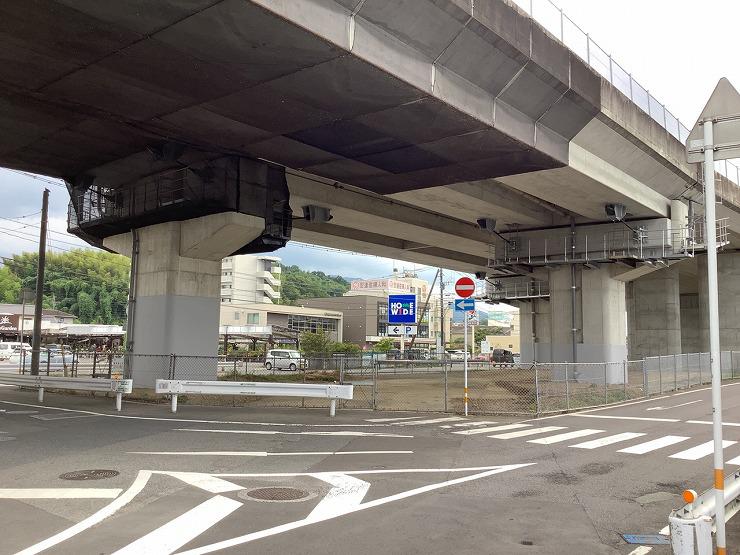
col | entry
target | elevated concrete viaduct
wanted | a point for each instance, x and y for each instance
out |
(187, 131)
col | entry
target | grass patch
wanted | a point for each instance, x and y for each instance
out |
(310, 377)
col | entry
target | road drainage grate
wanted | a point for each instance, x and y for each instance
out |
(277, 494)
(96, 474)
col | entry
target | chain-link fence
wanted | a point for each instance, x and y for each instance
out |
(409, 385)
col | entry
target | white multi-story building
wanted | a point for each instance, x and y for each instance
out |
(250, 279)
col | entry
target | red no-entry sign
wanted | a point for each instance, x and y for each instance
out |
(464, 287)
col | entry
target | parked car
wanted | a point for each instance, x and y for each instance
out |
(284, 359)
(502, 356)
(455, 354)
(8, 348)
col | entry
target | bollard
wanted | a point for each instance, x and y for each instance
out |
(333, 407)
(118, 401)
(41, 395)
(174, 403)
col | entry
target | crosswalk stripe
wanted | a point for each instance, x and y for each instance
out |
(493, 429)
(735, 461)
(183, 529)
(392, 419)
(529, 432)
(481, 423)
(564, 437)
(700, 451)
(608, 440)
(432, 421)
(653, 445)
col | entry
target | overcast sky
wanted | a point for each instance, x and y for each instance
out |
(663, 43)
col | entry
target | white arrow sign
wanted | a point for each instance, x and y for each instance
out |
(401, 329)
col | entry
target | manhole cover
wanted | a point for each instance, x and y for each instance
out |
(96, 474)
(277, 494)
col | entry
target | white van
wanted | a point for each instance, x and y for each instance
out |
(7, 348)
(284, 359)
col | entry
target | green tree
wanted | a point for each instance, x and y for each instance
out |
(102, 277)
(384, 345)
(10, 286)
(298, 284)
(346, 348)
(315, 344)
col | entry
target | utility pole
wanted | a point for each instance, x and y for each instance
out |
(21, 331)
(441, 313)
(36, 344)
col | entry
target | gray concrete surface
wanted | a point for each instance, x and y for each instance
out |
(566, 499)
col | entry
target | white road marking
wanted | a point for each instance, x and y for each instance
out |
(54, 416)
(276, 432)
(494, 429)
(528, 432)
(265, 453)
(735, 461)
(695, 453)
(393, 419)
(564, 437)
(608, 440)
(709, 422)
(675, 406)
(240, 540)
(642, 550)
(626, 417)
(363, 472)
(204, 481)
(183, 529)
(653, 445)
(431, 421)
(141, 479)
(198, 421)
(470, 424)
(60, 493)
(347, 494)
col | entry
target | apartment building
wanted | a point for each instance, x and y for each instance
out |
(250, 279)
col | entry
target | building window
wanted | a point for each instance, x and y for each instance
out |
(236, 315)
(253, 318)
(312, 324)
(225, 299)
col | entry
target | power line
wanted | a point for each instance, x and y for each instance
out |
(37, 177)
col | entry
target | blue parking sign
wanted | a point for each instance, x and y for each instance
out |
(401, 309)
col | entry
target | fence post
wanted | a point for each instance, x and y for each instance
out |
(172, 370)
(606, 386)
(567, 389)
(537, 390)
(444, 370)
(645, 385)
(375, 385)
(624, 378)
(660, 375)
(48, 361)
(110, 364)
(675, 374)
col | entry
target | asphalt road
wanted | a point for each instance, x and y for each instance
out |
(372, 482)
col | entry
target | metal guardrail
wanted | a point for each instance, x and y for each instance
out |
(691, 525)
(119, 387)
(204, 387)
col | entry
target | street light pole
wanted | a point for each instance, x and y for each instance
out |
(714, 353)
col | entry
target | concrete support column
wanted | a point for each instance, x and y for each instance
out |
(600, 315)
(535, 336)
(654, 314)
(178, 289)
(728, 277)
(691, 332)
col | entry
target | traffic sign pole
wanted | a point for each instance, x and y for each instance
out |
(465, 366)
(714, 354)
